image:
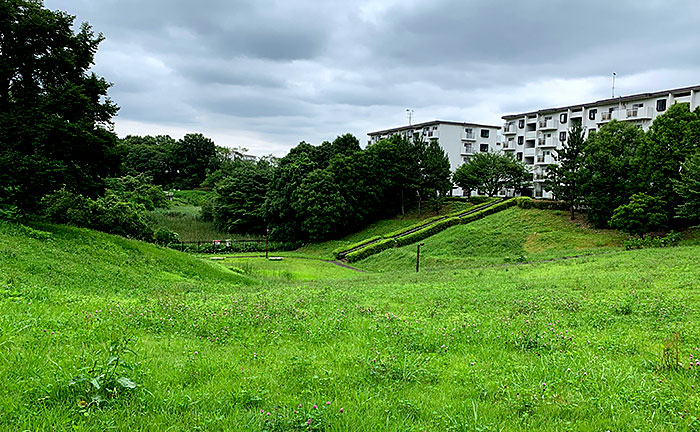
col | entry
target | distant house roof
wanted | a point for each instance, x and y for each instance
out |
(609, 101)
(430, 123)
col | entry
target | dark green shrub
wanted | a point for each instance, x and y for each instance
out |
(108, 214)
(545, 204)
(643, 214)
(338, 252)
(370, 250)
(524, 202)
(427, 231)
(669, 240)
(165, 236)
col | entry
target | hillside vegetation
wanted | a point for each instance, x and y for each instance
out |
(511, 236)
(605, 342)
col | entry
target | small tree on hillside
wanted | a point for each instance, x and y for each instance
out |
(563, 178)
(643, 214)
(492, 172)
(435, 173)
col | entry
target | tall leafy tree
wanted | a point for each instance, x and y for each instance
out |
(672, 138)
(435, 173)
(492, 172)
(240, 197)
(55, 115)
(563, 178)
(607, 179)
(193, 157)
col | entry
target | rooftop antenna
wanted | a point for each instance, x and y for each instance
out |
(409, 114)
(613, 87)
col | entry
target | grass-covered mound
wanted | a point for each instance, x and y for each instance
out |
(513, 235)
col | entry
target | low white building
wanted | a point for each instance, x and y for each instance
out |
(459, 140)
(534, 136)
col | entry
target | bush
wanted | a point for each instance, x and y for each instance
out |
(338, 252)
(524, 202)
(488, 211)
(669, 240)
(427, 231)
(233, 247)
(165, 236)
(370, 250)
(108, 214)
(545, 204)
(643, 214)
(480, 199)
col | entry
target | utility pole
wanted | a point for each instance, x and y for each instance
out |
(418, 256)
(613, 87)
(409, 114)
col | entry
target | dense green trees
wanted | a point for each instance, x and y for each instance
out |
(55, 115)
(491, 173)
(181, 164)
(687, 187)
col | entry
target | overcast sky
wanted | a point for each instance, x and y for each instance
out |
(267, 74)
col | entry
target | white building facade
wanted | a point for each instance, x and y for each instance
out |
(460, 141)
(534, 137)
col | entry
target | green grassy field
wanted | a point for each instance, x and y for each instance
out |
(585, 344)
(186, 221)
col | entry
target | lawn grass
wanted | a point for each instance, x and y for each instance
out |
(567, 345)
(513, 235)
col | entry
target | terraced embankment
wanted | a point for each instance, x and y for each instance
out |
(420, 231)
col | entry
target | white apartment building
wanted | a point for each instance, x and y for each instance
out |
(459, 140)
(534, 136)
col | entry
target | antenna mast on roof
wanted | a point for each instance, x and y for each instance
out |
(409, 114)
(613, 87)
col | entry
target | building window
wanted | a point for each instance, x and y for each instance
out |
(467, 148)
(484, 133)
(484, 148)
(521, 123)
(562, 118)
(434, 127)
(519, 156)
(661, 105)
(520, 140)
(592, 114)
(590, 131)
(562, 136)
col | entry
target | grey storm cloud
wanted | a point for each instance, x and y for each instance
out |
(267, 74)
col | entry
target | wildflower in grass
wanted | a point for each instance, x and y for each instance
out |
(328, 403)
(341, 410)
(314, 407)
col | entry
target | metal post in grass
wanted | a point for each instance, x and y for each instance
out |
(418, 256)
(267, 243)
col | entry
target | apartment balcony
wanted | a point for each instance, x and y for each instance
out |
(509, 145)
(539, 177)
(549, 124)
(530, 135)
(644, 113)
(544, 160)
(509, 129)
(467, 151)
(468, 136)
(606, 116)
(546, 142)
(433, 134)
(529, 151)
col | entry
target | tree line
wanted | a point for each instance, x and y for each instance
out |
(629, 179)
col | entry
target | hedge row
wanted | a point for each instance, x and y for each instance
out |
(370, 250)
(338, 252)
(427, 231)
(234, 247)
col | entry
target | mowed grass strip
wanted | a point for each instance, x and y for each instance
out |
(568, 345)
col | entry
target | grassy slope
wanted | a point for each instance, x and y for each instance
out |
(384, 226)
(569, 345)
(513, 235)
